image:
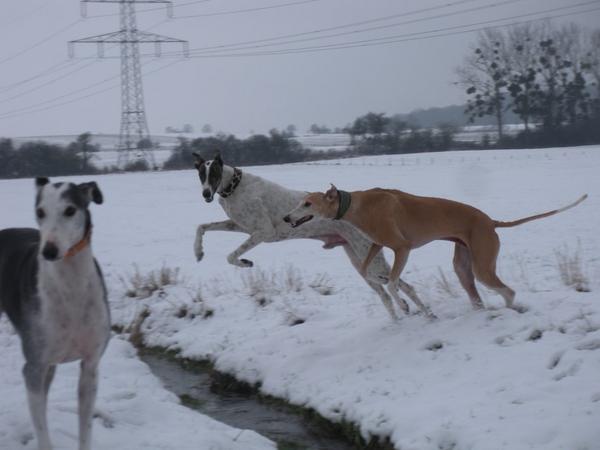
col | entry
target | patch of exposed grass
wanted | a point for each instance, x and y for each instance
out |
(570, 268)
(139, 285)
(323, 284)
(262, 285)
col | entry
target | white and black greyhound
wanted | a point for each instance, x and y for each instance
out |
(53, 292)
(257, 206)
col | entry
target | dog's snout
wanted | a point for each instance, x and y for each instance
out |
(286, 219)
(207, 194)
(50, 251)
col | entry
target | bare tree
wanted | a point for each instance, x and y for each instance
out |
(522, 59)
(484, 75)
(591, 63)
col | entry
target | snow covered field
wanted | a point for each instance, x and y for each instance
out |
(307, 328)
(134, 412)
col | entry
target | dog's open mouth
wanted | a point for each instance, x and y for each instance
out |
(300, 221)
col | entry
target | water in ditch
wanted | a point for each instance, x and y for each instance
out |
(240, 410)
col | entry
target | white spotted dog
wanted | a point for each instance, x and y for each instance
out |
(256, 206)
(53, 292)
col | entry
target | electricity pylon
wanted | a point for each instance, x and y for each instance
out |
(135, 135)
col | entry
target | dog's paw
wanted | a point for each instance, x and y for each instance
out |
(105, 419)
(26, 438)
(198, 250)
(403, 306)
(246, 263)
(521, 309)
(383, 279)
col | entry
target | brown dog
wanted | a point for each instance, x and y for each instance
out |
(402, 222)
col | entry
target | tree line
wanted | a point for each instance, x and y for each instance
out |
(41, 158)
(275, 148)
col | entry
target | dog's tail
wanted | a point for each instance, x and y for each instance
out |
(514, 223)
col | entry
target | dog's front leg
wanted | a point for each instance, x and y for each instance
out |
(226, 225)
(256, 211)
(247, 245)
(88, 386)
(37, 380)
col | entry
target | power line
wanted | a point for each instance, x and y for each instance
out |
(47, 83)
(25, 15)
(247, 10)
(54, 68)
(337, 27)
(48, 70)
(51, 100)
(401, 37)
(40, 42)
(151, 9)
(10, 115)
(364, 30)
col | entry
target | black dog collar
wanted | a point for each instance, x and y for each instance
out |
(235, 181)
(345, 198)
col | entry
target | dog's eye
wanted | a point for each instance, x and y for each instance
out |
(70, 211)
(307, 204)
(40, 213)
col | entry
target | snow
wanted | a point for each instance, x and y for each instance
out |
(493, 379)
(133, 410)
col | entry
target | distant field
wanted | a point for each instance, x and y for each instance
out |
(318, 142)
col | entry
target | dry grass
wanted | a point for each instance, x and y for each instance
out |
(323, 284)
(259, 285)
(262, 285)
(570, 268)
(292, 279)
(443, 285)
(138, 285)
(136, 336)
(197, 307)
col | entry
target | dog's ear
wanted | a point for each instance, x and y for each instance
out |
(198, 160)
(218, 159)
(331, 194)
(40, 182)
(92, 192)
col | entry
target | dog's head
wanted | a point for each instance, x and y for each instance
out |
(315, 204)
(63, 216)
(211, 175)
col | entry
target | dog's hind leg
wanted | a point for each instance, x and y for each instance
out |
(386, 299)
(464, 271)
(485, 246)
(410, 292)
(49, 378)
(36, 381)
(88, 386)
(226, 225)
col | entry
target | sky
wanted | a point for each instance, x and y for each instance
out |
(256, 86)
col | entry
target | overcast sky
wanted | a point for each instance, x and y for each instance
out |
(242, 93)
